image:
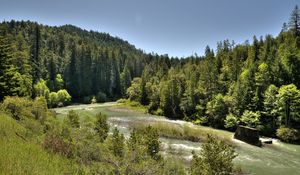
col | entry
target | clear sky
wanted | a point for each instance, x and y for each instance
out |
(174, 27)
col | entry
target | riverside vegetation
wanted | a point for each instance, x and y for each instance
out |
(252, 84)
(29, 131)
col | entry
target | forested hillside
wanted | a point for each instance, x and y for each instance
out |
(86, 63)
(256, 84)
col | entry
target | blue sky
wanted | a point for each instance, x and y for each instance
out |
(174, 27)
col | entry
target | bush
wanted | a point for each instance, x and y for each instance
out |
(64, 97)
(122, 100)
(289, 135)
(56, 144)
(18, 107)
(251, 119)
(93, 101)
(231, 121)
(73, 119)
(53, 99)
(101, 126)
(101, 97)
(215, 158)
(21, 108)
(41, 89)
(87, 99)
(159, 111)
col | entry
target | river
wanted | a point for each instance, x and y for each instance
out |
(276, 159)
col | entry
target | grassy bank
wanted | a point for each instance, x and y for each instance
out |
(21, 155)
(132, 105)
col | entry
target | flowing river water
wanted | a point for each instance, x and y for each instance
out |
(276, 159)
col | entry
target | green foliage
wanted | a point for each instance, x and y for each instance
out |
(21, 155)
(171, 93)
(134, 92)
(87, 99)
(68, 61)
(117, 144)
(294, 23)
(125, 80)
(22, 108)
(53, 99)
(59, 82)
(56, 144)
(101, 126)
(73, 119)
(251, 119)
(41, 89)
(215, 158)
(231, 121)
(64, 97)
(152, 142)
(288, 102)
(289, 135)
(101, 97)
(10, 79)
(217, 111)
(270, 112)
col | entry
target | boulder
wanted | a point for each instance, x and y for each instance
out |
(248, 135)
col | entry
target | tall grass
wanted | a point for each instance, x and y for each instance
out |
(184, 132)
(20, 155)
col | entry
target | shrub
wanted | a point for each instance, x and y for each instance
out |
(41, 89)
(93, 101)
(87, 99)
(122, 100)
(64, 97)
(215, 158)
(101, 126)
(117, 143)
(251, 119)
(73, 119)
(231, 121)
(18, 107)
(53, 99)
(56, 144)
(159, 111)
(101, 97)
(287, 134)
(21, 108)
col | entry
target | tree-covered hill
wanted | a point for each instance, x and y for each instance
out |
(84, 62)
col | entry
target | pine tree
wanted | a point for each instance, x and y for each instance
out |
(35, 54)
(294, 23)
(9, 77)
(125, 79)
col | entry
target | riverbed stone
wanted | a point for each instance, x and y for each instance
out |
(248, 135)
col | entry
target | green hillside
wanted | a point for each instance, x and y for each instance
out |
(21, 154)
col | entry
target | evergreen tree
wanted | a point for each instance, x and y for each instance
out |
(9, 77)
(294, 22)
(101, 126)
(35, 54)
